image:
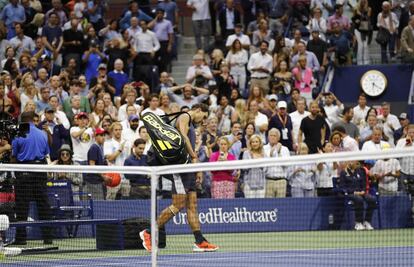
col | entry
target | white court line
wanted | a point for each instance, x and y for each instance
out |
(237, 257)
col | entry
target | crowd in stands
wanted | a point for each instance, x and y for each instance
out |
(89, 80)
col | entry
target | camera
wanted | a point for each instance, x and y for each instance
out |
(9, 129)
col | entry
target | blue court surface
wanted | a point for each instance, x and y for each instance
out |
(384, 256)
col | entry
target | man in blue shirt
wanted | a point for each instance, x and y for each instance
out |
(31, 186)
(12, 13)
(140, 184)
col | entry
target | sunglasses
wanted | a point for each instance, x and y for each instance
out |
(65, 154)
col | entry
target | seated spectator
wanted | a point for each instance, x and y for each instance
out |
(302, 177)
(353, 181)
(223, 183)
(140, 184)
(376, 143)
(366, 132)
(10, 56)
(389, 122)
(254, 178)
(198, 73)
(402, 131)
(276, 179)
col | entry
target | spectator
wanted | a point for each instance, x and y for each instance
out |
(73, 43)
(387, 21)
(102, 81)
(353, 181)
(325, 172)
(276, 179)
(75, 103)
(261, 34)
(260, 66)
(348, 143)
(302, 177)
(324, 5)
(254, 25)
(43, 102)
(304, 79)
(283, 123)
(259, 119)
(311, 59)
(318, 24)
(164, 32)
(93, 58)
(346, 123)
(281, 84)
(375, 144)
(119, 77)
(389, 121)
(187, 98)
(140, 184)
(10, 58)
(338, 19)
(130, 95)
(217, 59)
(254, 178)
(278, 15)
(198, 73)
(57, 8)
(201, 22)
(407, 40)
(366, 132)
(235, 139)
(313, 128)
(11, 14)
(296, 118)
(319, 47)
(154, 103)
(82, 138)
(133, 11)
(228, 18)
(94, 182)
(52, 37)
(238, 35)
(360, 111)
(223, 182)
(59, 115)
(407, 163)
(402, 131)
(21, 43)
(363, 30)
(386, 172)
(237, 58)
(96, 11)
(340, 44)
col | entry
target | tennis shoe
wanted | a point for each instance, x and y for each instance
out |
(359, 226)
(146, 239)
(204, 247)
(368, 226)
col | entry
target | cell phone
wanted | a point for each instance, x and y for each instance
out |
(240, 133)
(326, 94)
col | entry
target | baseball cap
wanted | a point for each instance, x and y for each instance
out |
(99, 131)
(403, 116)
(272, 97)
(133, 117)
(82, 114)
(102, 66)
(281, 104)
(49, 109)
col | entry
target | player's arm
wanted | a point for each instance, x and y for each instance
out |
(183, 122)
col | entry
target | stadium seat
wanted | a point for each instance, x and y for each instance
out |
(349, 205)
(64, 207)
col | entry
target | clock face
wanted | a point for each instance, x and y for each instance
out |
(373, 83)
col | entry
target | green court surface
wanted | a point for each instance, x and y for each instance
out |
(235, 242)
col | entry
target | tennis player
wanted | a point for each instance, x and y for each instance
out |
(184, 185)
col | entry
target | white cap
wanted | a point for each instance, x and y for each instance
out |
(281, 104)
(272, 97)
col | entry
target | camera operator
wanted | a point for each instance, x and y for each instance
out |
(31, 186)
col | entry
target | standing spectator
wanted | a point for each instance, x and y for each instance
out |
(52, 37)
(366, 132)
(297, 117)
(21, 43)
(73, 43)
(348, 143)
(325, 173)
(319, 47)
(302, 177)
(164, 32)
(116, 151)
(130, 97)
(133, 29)
(29, 186)
(171, 11)
(325, 6)
(363, 30)
(303, 77)
(278, 15)
(94, 182)
(375, 144)
(43, 101)
(102, 81)
(119, 77)
(201, 22)
(11, 14)
(146, 45)
(283, 123)
(82, 138)
(346, 123)
(261, 34)
(353, 181)
(228, 17)
(237, 57)
(260, 66)
(59, 115)
(96, 12)
(407, 41)
(360, 111)
(407, 163)
(386, 172)
(340, 44)
(402, 131)
(338, 19)
(311, 59)
(57, 8)
(223, 183)
(389, 121)
(276, 179)
(254, 178)
(154, 103)
(75, 103)
(318, 24)
(239, 35)
(259, 119)
(313, 128)
(387, 21)
(187, 98)
(134, 11)
(333, 107)
(140, 184)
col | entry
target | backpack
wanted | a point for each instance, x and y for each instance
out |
(168, 145)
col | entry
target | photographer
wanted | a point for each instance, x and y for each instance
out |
(31, 186)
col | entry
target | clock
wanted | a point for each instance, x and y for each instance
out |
(373, 83)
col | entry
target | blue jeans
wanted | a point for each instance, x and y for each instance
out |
(391, 47)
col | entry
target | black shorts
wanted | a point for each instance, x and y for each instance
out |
(183, 183)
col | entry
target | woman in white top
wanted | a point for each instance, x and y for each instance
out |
(237, 58)
(318, 23)
(325, 172)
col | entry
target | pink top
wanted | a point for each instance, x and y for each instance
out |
(304, 84)
(225, 175)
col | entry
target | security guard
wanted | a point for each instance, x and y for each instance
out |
(31, 186)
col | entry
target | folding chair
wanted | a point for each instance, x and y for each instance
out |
(63, 206)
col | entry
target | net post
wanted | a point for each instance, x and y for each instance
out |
(154, 226)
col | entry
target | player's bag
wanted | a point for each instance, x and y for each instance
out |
(168, 145)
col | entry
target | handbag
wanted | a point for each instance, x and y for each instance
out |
(365, 26)
(383, 36)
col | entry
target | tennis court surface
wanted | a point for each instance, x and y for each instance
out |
(294, 249)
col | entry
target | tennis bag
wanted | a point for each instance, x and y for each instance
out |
(168, 145)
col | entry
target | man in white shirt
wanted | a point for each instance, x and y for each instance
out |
(389, 121)
(201, 22)
(360, 111)
(238, 35)
(260, 66)
(375, 144)
(386, 172)
(276, 180)
(133, 30)
(261, 121)
(116, 150)
(154, 103)
(131, 96)
(198, 73)
(332, 110)
(82, 137)
(297, 117)
(130, 128)
(59, 115)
